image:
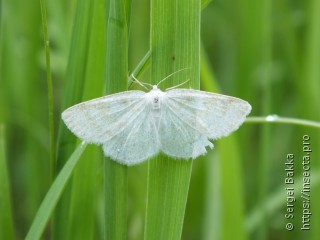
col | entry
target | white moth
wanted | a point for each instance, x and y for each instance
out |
(133, 126)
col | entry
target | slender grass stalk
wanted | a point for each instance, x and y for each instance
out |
(116, 176)
(175, 35)
(52, 197)
(283, 120)
(50, 88)
(142, 66)
(6, 221)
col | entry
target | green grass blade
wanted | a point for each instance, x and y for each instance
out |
(116, 183)
(74, 80)
(175, 35)
(231, 189)
(49, 202)
(84, 195)
(144, 64)
(254, 55)
(85, 181)
(227, 183)
(50, 89)
(73, 93)
(116, 198)
(6, 221)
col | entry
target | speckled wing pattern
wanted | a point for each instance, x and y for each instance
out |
(191, 117)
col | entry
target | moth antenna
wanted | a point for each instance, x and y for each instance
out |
(170, 88)
(141, 83)
(171, 75)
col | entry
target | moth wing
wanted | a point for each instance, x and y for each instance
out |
(121, 122)
(98, 120)
(191, 117)
(137, 142)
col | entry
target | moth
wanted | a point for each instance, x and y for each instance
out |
(133, 126)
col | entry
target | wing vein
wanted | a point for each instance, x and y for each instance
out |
(170, 107)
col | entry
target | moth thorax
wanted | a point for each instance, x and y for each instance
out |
(156, 102)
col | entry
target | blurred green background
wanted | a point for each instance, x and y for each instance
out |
(266, 52)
